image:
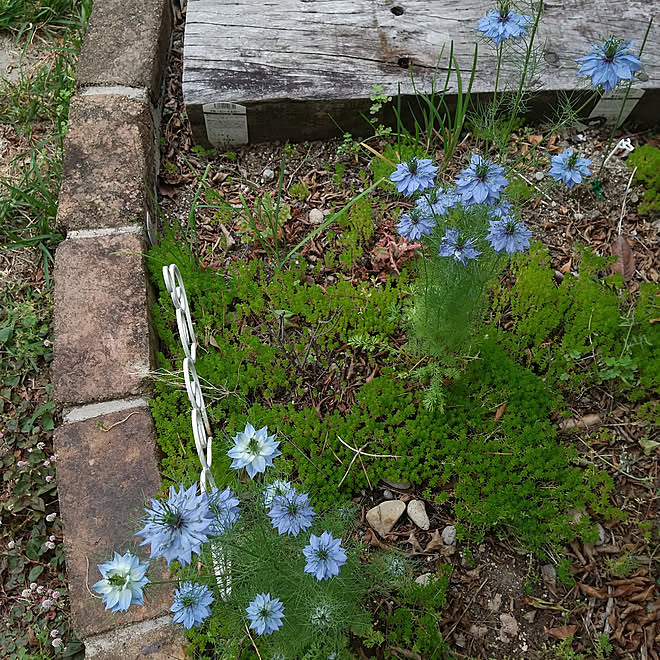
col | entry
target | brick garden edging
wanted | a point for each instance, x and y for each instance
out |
(106, 447)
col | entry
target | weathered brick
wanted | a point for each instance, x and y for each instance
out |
(106, 467)
(126, 44)
(108, 170)
(102, 331)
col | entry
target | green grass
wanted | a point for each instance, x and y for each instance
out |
(34, 610)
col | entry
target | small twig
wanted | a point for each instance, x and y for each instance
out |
(377, 153)
(105, 429)
(364, 453)
(623, 204)
(93, 595)
(467, 607)
(253, 644)
(348, 469)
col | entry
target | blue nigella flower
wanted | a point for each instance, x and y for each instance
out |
(503, 24)
(416, 174)
(437, 202)
(481, 182)
(413, 225)
(265, 614)
(178, 527)
(291, 513)
(224, 507)
(500, 211)
(191, 604)
(454, 245)
(123, 579)
(253, 450)
(324, 556)
(569, 168)
(277, 487)
(508, 235)
(609, 63)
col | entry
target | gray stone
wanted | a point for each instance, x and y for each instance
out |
(509, 629)
(602, 535)
(268, 175)
(383, 517)
(388, 494)
(126, 44)
(417, 513)
(108, 163)
(449, 535)
(397, 485)
(539, 176)
(102, 335)
(316, 216)
(106, 466)
(425, 579)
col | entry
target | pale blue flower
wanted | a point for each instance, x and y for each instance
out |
(265, 614)
(437, 202)
(122, 583)
(413, 225)
(324, 555)
(458, 247)
(191, 604)
(481, 182)
(501, 211)
(416, 174)
(277, 487)
(253, 450)
(508, 235)
(504, 24)
(569, 168)
(178, 527)
(291, 513)
(609, 63)
(224, 507)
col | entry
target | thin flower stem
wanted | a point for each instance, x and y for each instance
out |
(623, 104)
(528, 55)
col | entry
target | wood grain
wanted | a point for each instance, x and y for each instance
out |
(252, 52)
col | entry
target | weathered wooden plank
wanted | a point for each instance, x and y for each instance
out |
(282, 53)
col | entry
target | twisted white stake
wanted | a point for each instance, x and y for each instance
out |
(200, 422)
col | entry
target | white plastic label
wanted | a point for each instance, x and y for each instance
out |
(226, 124)
(609, 105)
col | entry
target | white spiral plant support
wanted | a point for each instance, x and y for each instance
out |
(200, 422)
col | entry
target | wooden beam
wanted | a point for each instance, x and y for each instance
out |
(291, 61)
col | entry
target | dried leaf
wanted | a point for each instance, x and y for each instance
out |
(566, 267)
(166, 189)
(591, 591)
(500, 410)
(436, 542)
(535, 140)
(582, 423)
(412, 539)
(625, 264)
(562, 632)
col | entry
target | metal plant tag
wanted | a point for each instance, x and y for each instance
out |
(226, 124)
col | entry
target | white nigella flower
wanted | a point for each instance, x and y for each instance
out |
(253, 450)
(123, 579)
(277, 487)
